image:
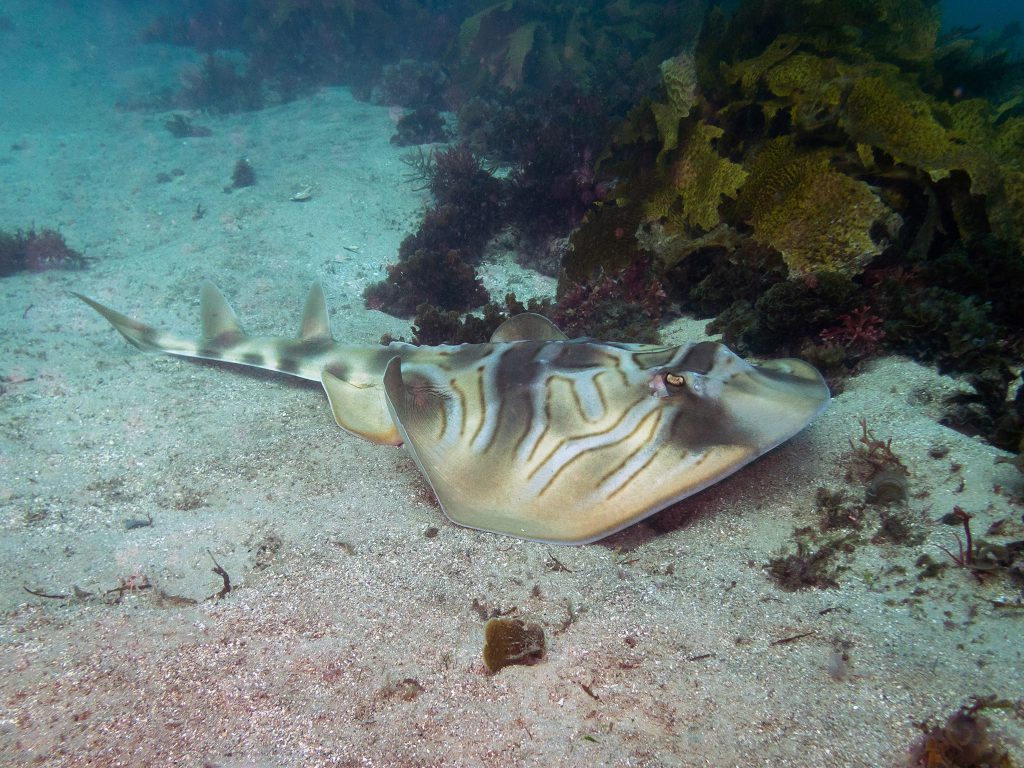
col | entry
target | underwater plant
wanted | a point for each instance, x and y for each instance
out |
(182, 127)
(808, 566)
(34, 251)
(243, 174)
(518, 44)
(511, 641)
(422, 125)
(427, 276)
(434, 326)
(964, 740)
(436, 263)
(805, 176)
(625, 305)
(220, 85)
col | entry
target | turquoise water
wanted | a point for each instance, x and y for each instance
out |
(353, 632)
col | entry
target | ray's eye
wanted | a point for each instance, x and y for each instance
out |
(667, 384)
(688, 382)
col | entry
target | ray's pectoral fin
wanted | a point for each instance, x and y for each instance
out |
(488, 489)
(421, 412)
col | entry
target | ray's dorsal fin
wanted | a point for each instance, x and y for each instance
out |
(316, 322)
(220, 324)
(528, 326)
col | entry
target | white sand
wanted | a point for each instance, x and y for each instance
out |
(339, 593)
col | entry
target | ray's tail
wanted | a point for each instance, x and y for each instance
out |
(223, 338)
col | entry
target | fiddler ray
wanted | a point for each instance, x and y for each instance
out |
(533, 434)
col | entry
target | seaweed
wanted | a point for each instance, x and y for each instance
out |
(511, 641)
(981, 557)
(411, 83)
(436, 263)
(426, 276)
(219, 86)
(872, 456)
(434, 326)
(406, 689)
(35, 251)
(823, 135)
(965, 740)
(989, 410)
(809, 566)
(182, 127)
(786, 314)
(422, 125)
(518, 44)
(458, 178)
(625, 305)
(242, 175)
(834, 512)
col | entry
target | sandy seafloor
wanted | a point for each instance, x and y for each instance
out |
(660, 639)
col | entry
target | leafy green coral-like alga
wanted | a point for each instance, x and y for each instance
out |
(697, 182)
(816, 217)
(811, 85)
(519, 43)
(897, 117)
(680, 81)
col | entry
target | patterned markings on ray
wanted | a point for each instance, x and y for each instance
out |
(650, 424)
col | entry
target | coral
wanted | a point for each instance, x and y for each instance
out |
(35, 251)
